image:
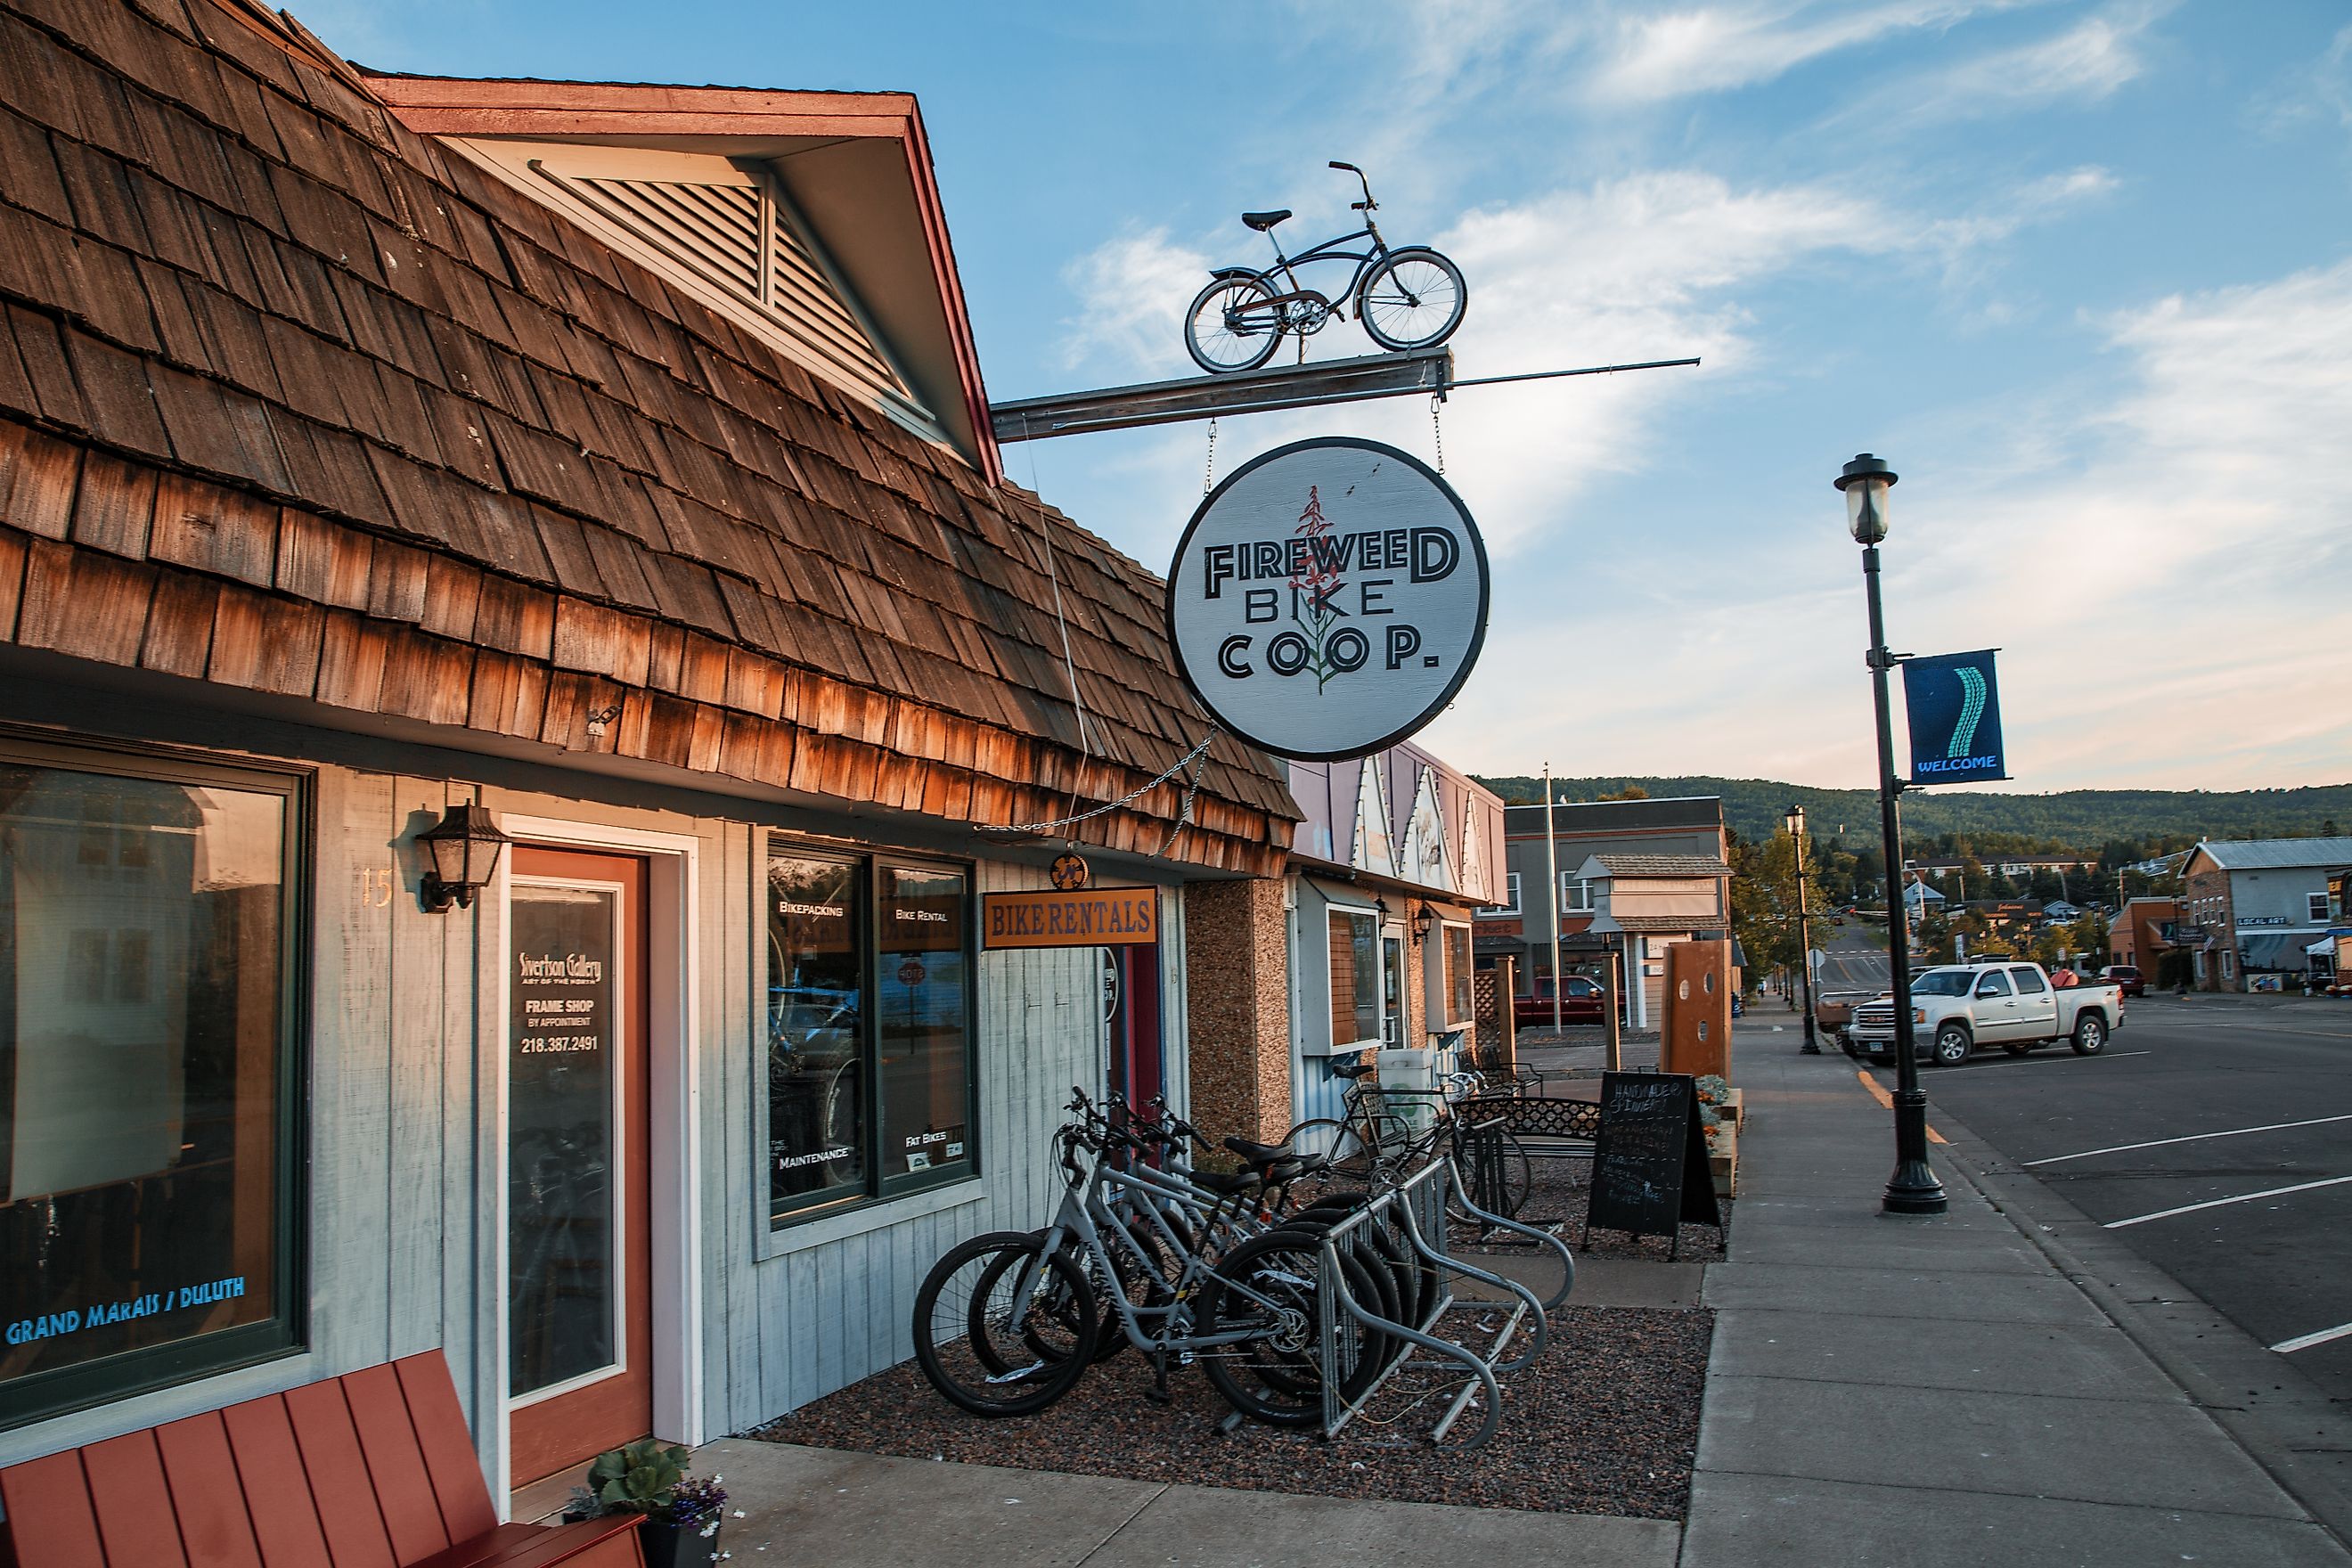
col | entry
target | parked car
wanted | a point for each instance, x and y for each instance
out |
(1957, 1007)
(2125, 976)
(1580, 1003)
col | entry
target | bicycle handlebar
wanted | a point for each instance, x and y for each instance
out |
(1367, 205)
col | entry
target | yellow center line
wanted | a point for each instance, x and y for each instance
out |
(1886, 1103)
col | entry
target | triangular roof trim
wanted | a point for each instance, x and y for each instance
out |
(856, 165)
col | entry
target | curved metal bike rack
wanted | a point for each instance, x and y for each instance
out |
(1419, 1206)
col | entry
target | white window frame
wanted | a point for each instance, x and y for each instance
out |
(2316, 908)
(1511, 880)
(1568, 904)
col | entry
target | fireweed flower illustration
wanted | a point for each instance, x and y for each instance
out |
(1311, 592)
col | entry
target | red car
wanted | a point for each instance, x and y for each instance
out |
(1580, 1003)
(2127, 976)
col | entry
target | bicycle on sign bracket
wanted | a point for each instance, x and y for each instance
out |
(1408, 297)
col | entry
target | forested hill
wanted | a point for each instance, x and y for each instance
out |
(2072, 819)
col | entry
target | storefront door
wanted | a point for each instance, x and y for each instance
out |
(1131, 979)
(1392, 1018)
(579, 1206)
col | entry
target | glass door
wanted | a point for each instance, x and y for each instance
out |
(579, 1203)
(1393, 985)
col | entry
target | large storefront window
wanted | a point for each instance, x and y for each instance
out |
(1355, 979)
(144, 1230)
(1460, 1001)
(869, 1028)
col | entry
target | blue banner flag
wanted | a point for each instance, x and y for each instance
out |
(1955, 711)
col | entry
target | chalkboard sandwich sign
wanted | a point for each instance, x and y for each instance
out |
(1649, 1163)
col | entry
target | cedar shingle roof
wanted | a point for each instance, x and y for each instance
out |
(294, 399)
(1662, 865)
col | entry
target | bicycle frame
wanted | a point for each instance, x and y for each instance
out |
(1327, 251)
(1084, 1218)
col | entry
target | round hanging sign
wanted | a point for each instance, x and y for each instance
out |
(1328, 599)
(1069, 871)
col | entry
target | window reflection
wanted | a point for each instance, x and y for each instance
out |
(816, 1099)
(139, 974)
(920, 1008)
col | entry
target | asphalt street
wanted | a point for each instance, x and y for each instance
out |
(2214, 1137)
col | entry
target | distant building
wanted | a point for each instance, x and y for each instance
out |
(1635, 876)
(2143, 933)
(2252, 908)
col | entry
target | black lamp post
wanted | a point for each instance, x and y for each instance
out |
(1795, 821)
(1913, 1188)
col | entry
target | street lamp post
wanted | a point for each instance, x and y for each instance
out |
(1913, 1188)
(1796, 825)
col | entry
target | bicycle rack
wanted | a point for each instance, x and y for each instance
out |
(1420, 1204)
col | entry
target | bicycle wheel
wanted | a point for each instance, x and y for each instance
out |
(1347, 1156)
(1497, 1179)
(1269, 1285)
(1413, 299)
(1230, 327)
(973, 1348)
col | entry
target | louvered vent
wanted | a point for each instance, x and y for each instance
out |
(739, 233)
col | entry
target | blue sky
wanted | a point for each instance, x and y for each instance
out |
(2080, 272)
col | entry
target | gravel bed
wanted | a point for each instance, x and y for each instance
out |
(1560, 1189)
(1605, 1422)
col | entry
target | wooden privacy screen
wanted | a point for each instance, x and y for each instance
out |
(1695, 1037)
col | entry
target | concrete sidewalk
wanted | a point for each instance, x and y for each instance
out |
(1929, 1392)
(1918, 1393)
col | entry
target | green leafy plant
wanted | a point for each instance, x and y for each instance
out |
(639, 1479)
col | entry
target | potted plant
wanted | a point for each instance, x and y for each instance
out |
(682, 1512)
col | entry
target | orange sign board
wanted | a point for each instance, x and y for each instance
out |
(1090, 917)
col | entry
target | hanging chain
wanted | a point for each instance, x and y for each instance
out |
(1208, 474)
(1437, 429)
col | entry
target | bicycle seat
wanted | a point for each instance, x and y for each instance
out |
(1264, 221)
(1258, 1153)
(1355, 1068)
(1227, 1182)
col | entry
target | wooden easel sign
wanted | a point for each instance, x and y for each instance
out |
(1649, 1163)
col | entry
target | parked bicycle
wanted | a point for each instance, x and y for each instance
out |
(1409, 297)
(1181, 1264)
(1382, 1135)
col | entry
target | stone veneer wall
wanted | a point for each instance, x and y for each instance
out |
(1237, 987)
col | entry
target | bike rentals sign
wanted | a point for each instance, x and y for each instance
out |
(1954, 706)
(1328, 599)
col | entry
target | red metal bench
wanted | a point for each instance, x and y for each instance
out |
(371, 1470)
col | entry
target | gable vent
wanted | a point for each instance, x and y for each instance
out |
(736, 231)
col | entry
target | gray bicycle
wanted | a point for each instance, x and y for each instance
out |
(1406, 297)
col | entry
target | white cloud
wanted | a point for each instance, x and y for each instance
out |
(1649, 55)
(2085, 64)
(1131, 292)
(2166, 575)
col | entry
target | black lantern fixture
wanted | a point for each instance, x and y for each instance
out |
(1795, 822)
(465, 846)
(1913, 1189)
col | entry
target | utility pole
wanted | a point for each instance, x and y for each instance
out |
(1551, 899)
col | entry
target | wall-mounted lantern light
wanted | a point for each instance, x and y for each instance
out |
(465, 846)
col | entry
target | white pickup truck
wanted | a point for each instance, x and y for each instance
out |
(1957, 1007)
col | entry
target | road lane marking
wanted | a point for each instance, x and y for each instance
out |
(1886, 1103)
(2224, 1203)
(2288, 1347)
(2191, 1138)
(2102, 1057)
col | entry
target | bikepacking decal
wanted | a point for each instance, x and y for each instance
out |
(1328, 599)
(1954, 707)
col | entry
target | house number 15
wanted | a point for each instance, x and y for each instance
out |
(375, 887)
